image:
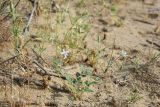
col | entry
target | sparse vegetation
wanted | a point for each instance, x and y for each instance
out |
(78, 53)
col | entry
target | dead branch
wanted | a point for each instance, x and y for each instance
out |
(18, 79)
(142, 21)
(47, 72)
(150, 42)
(31, 16)
(39, 56)
(9, 59)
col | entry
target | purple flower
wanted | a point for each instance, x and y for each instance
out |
(65, 53)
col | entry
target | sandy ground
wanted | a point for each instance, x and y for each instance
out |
(133, 29)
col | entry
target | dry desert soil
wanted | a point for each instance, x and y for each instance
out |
(80, 53)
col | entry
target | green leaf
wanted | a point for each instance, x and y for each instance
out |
(97, 78)
(78, 74)
(56, 62)
(86, 71)
(69, 78)
(79, 79)
(74, 81)
(87, 90)
(90, 83)
(113, 9)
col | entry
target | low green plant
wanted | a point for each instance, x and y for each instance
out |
(57, 65)
(76, 34)
(112, 60)
(73, 42)
(60, 17)
(73, 35)
(77, 86)
(136, 62)
(134, 96)
(15, 28)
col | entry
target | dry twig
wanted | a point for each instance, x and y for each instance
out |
(142, 21)
(31, 16)
(47, 72)
(9, 59)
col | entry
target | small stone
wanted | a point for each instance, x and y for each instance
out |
(153, 12)
(104, 29)
(153, 15)
(103, 21)
(33, 36)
